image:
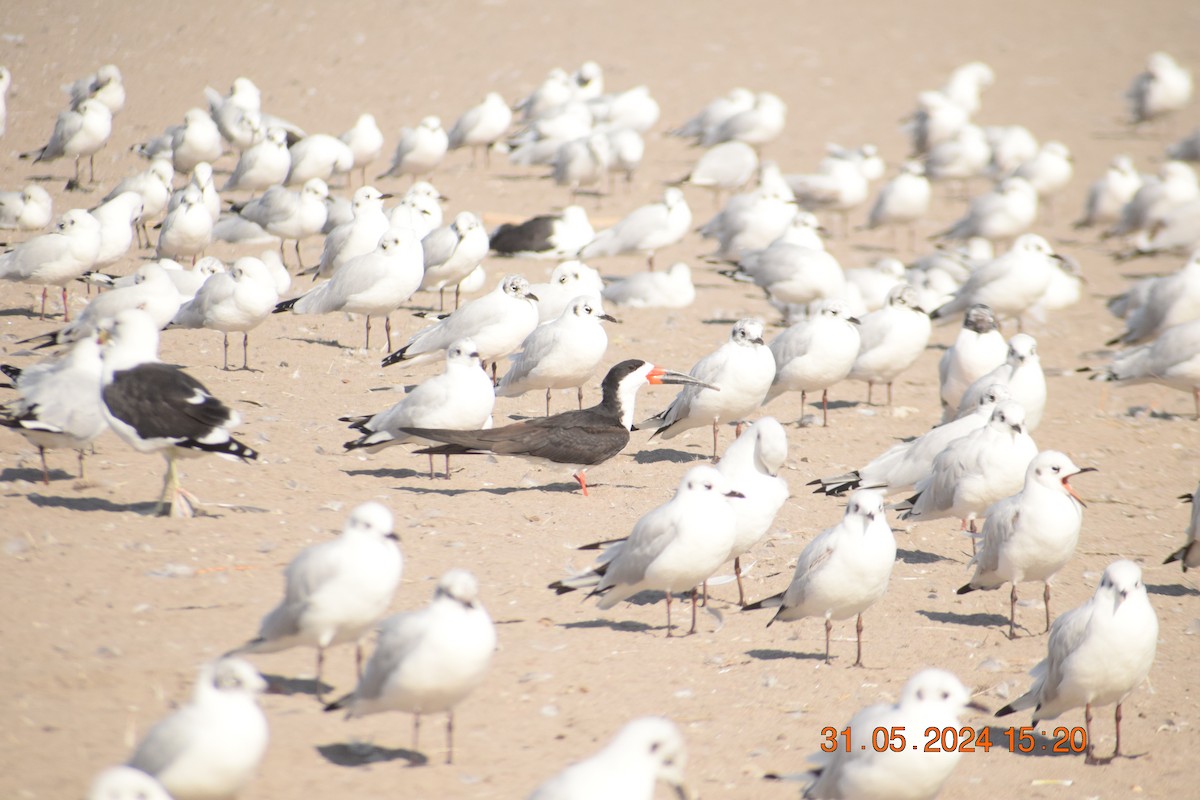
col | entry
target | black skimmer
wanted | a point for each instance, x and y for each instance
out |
(580, 438)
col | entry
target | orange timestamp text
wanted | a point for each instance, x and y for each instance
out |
(958, 740)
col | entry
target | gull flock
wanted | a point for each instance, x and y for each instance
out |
(820, 324)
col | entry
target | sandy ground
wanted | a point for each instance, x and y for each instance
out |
(108, 611)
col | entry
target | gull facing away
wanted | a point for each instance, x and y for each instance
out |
(461, 398)
(581, 439)
(212, 746)
(933, 699)
(977, 350)
(158, 407)
(365, 141)
(1164, 87)
(674, 548)
(752, 464)
(731, 383)
(481, 126)
(1098, 654)
(1189, 554)
(427, 661)
(1031, 535)
(335, 591)
(644, 752)
(891, 340)
(419, 150)
(842, 572)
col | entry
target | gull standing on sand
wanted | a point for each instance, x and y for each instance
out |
(752, 464)
(56, 258)
(1173, 360)
(902, 201)
(670, 289)
(213, 745)
(498, 322)
(419, 150)
(262, 165)
(429, 660)
(1002, 214)
(1098, 654)
(373, 284)
(978, 349)
(1010, 285)
(1022, 373)
(1048, 172)
(933, 699)
(815, 353)
(365, 141)
(727, 167)
(1175, 185)
(157, 407)
(194, 140)
(892, 339)
(119, 218)
(187, 229)
(335, 591)
(976, 470)
(58, 402)
(151, 290)
(78, 132)
(1170, 300)
(706, 121)
(562, 354)
(674, 548)
(1189, 554)
(903, 464)
(153, 185)
(644, 752)
(843, 571)
(319, 155)
(645, 230)
(758, 125)
(451, 253)
(461, 398)
(481, 126)
(582, 162)
(752, 220)
(237, 300)
(1030, 535)
(30, 209)
(358, 236)
(736, 377)
(289, 215)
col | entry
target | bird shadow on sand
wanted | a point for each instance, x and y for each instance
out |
(1172, 590)
(557, 488)
(1043, 746)
(283, 685)
(28, 313)
(32, 475)
(779, 655)
(323, 342)
(661, 454)
(919, 557)
(977, 620)
(625, 625)
(385, 472)
(361, 754)
(96, 504)
(717, 320)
